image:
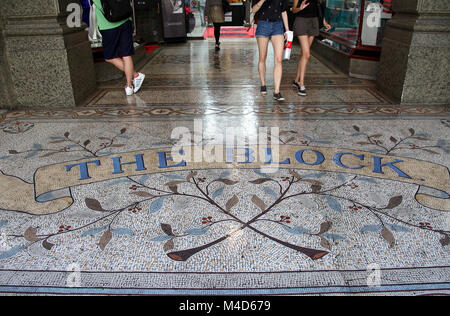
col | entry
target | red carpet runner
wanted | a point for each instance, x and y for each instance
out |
(231, 32)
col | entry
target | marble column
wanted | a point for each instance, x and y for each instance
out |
(46, 63)
(415, 67)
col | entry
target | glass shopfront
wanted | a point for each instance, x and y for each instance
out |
(357, 25)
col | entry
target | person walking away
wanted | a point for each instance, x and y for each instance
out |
(117, 38)
(272, 25)
(306, 27)
(201, 7)
(215, 14)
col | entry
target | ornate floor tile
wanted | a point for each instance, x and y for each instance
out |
(94, 201)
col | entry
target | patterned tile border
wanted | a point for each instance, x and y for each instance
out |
(422, 281)
(382, 111)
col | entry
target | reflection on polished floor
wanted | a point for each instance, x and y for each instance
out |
(93, 200)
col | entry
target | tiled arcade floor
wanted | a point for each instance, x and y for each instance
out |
(366, 186)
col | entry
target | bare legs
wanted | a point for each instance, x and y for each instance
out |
(278, 45)
(263, 43)
(126, 65)
(305, 43)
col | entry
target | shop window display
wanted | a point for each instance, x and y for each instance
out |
(357, 24)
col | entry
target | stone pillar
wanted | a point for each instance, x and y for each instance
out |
(414, 67)
(46, 63)
(7, 98)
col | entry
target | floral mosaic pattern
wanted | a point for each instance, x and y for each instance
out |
(340, 194)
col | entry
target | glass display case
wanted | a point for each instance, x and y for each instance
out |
(357, 26)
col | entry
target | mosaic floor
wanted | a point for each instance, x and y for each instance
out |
(93, 200)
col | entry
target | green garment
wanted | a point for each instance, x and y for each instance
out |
(103, 23)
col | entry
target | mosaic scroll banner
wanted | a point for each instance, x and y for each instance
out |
(50, 192)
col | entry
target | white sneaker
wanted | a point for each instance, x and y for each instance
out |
(138, 82)
(129, 91)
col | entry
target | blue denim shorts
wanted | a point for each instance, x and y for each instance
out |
(269, 28)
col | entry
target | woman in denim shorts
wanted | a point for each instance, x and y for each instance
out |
(272, 25)
(306, 27)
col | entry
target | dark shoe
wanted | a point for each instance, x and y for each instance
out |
(278, 97)
(263, 90)
(302, 92)
(296, 85)
(217, 47)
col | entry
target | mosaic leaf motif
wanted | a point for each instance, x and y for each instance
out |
(295, 174)
(105, 239)
(371, 228)
(157, 205)
(445, 241)
(259, 173)
(367, 180)
(122, 231)
(167, 229)
(259, 203)
(197, 231)
(225, 174)
(296, 230)
(316, 185)
(325, 243)
(191, 175)
(217, 193)
(227, 181)
(169, 245)
(143, 194)
(397, 228)
(342, 178)
(94, 231)
(161, 238)
(173, 177)
(394, 202)
(334, 204)
(269, 191)
(144, 179)
(388, 236)
(30, 234)
(47, 245)
(12, 252)
(333, 237)
(174, 183)
(260, 181)
(94, 205)
(231, 203)
(325, 227)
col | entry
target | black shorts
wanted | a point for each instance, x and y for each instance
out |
(117, 41)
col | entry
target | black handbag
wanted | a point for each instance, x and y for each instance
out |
(226, 6)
